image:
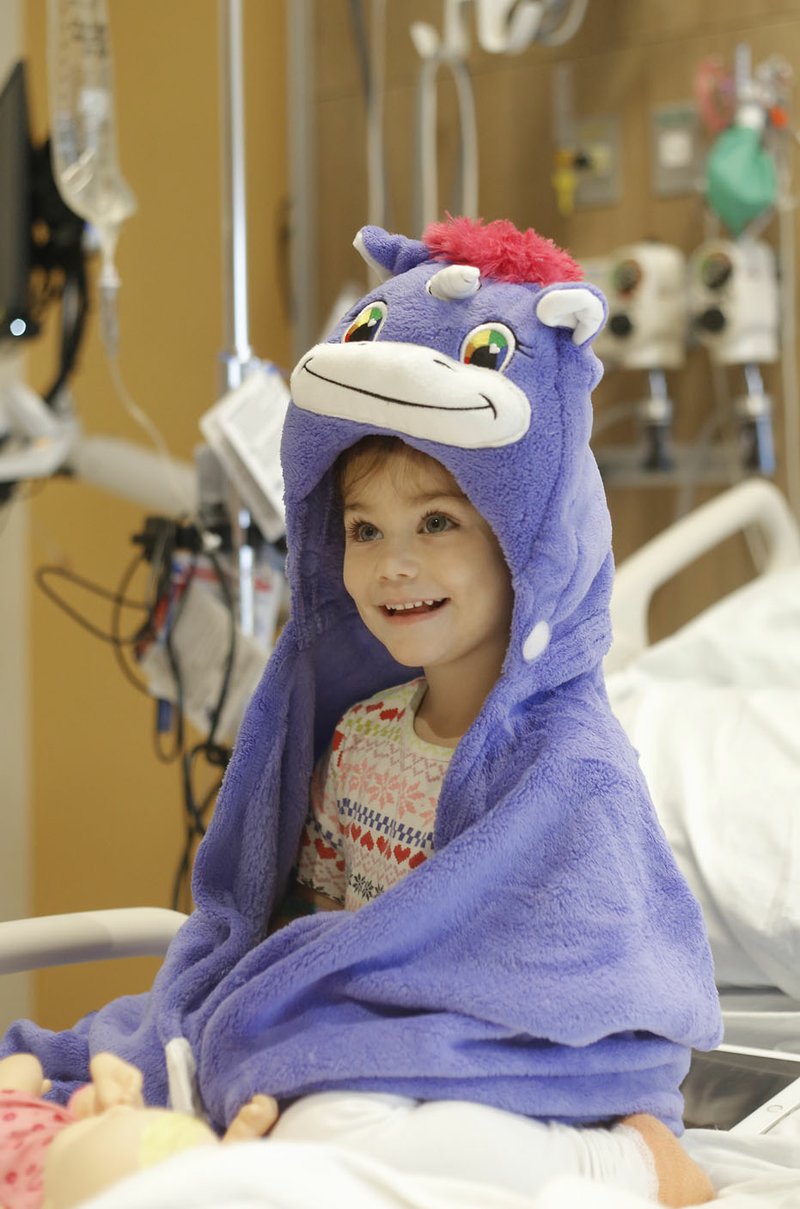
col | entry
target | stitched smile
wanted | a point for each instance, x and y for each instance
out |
(487, 406)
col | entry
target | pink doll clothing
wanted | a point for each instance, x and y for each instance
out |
(27, 1127)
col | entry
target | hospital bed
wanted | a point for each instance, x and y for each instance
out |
(714, 712)
(678, 700)
(753, 1170)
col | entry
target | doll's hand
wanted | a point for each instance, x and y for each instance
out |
(113, 1082)
(23, 1072)
(253, 1120)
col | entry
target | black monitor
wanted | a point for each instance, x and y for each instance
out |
(41, 241)
(16, 320)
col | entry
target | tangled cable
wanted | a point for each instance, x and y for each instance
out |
(163, 607)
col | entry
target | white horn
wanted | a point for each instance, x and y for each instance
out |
(455, 282)
(576, 308)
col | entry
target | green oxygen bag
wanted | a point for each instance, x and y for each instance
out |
(741, 177)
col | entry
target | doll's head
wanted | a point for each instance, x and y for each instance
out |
(95, 1153)
(421, 564)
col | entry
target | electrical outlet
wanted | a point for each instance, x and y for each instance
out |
(598, 139)
(676, 152)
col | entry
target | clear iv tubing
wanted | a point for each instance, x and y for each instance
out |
(109, 327)
(108, 285)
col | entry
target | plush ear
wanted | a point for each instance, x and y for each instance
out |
(388, 254)
(577, 307)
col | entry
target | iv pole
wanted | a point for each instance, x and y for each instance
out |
(237, 359)
(237, 355)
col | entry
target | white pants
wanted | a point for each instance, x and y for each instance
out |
(471, 1141)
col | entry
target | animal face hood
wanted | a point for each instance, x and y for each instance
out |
(475, 350)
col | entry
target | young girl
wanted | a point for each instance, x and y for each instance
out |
(542, 958)
(429, 580)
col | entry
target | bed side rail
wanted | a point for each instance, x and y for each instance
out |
(58, 940)
(752, 503)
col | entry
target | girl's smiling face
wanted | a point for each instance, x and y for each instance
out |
(423, 567)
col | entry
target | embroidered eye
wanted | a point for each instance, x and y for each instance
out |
(490, 345)
(367, 323)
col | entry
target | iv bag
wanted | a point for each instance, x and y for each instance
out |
(83, 134)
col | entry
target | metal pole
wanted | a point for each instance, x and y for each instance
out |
(237, 356)
(238, 353)
(302, 249)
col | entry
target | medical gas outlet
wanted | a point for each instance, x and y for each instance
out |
(647, 313)
(733, 301)
(646, 330)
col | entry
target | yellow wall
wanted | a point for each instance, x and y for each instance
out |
(107, 829)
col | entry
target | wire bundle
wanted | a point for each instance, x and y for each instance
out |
(162, 608)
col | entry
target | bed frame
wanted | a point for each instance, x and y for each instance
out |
(760, 1017)
(753, 504)
(59, 940)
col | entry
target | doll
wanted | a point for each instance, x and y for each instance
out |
(54, 1157)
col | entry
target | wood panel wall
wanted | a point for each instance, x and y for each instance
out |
(629, 57)
(107, 813)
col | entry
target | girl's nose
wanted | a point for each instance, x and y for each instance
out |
(396, 562)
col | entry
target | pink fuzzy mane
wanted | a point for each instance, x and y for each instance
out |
(500, 251)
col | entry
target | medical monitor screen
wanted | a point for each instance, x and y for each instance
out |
(15, 209)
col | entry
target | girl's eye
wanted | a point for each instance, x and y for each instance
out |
(362, 531)
(367, 323)
(491, 345)
(437, 522)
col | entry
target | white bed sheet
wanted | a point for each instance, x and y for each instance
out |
(749, 1173)
(714, 712)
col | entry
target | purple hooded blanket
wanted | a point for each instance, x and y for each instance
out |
(549, 958)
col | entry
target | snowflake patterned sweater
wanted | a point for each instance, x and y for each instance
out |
(548, 958)
(373, 800)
